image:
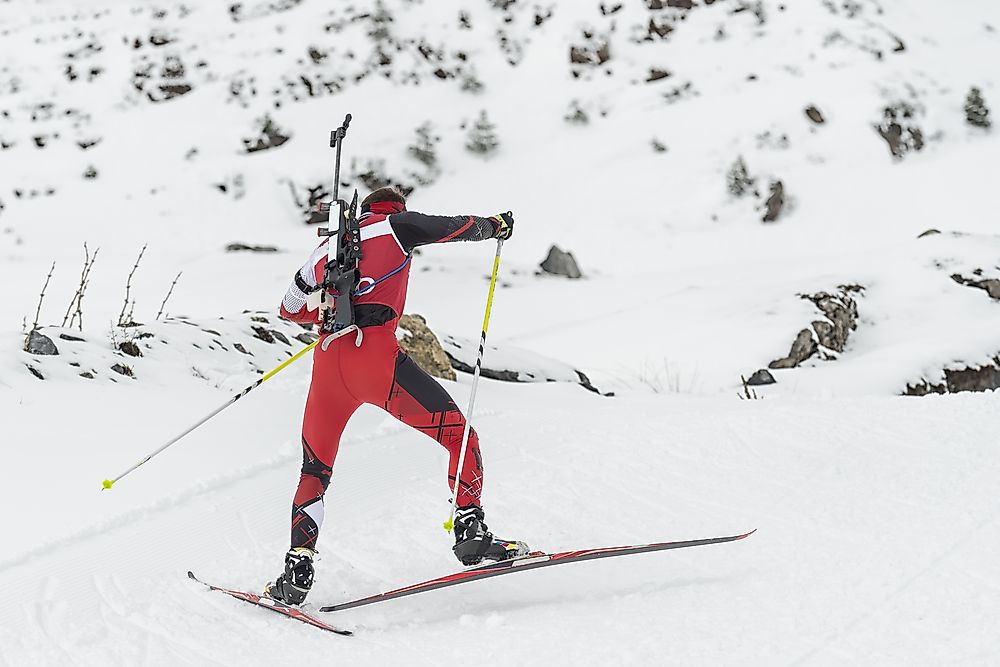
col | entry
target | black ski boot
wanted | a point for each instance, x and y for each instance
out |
(293, 585)
(474, 542)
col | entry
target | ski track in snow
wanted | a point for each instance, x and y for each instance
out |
(856, 530)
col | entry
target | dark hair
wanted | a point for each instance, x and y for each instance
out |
(388, 193)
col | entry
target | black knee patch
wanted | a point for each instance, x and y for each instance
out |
(311, 465)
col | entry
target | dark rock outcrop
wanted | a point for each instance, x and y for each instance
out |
(970, 378)
(775, 202)
(990, 285)
(841, 311)
(240, 247)
(899, 130)
(269, 136)
(761, 377)
(130, 348)
(122, 369)
(39, 343)
(831, 334)
(803, 347)
(263, 334)
(815, 115)
(561, 263)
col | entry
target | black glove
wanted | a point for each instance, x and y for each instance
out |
(505, 225)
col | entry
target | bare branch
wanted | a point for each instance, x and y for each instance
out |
(76, 295)
(75, 307)
(748, 393)
(41, 297)
(124, 318)
(164, 304)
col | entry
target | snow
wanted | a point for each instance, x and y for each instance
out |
(877, 514)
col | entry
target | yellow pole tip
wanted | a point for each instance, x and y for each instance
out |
(107, 484)
(448, 525)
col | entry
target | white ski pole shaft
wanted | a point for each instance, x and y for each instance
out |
(449, 524)
(108, 483)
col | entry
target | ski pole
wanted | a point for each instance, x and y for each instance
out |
(450, 523)
(108, 483)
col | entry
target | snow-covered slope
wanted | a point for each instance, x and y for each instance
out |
(670, 255)
(878, 531)
(877, 514)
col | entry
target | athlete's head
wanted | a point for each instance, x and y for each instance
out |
(388, 193)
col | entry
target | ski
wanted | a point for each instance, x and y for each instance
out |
(274, 605)
(533, 560)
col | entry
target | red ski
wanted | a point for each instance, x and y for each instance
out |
(274, 605)
(533, 560)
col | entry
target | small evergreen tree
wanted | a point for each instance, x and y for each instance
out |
(976, 112)
(738, 179)
(423, 150)
(471, 83)
(380, 19)
(482, 137)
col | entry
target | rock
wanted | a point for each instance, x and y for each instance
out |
(239, 247)
(981, 378)
(815, 115)
(775, 202)
(122, 369)
(971, 378)
(899, 131)
(239, 347)
(280, 336)
(842, 312)
(924, 388)
(130, 348)
(561, 263)
(269, 136)
(589, 386)
(424, 347)
(826, 333)
(87, 374)
(39, 343)
(306, 337)
(803, 348)
(929, 232)
(263, 334)
(512, 364)
(655, 74)
(491, 373)
(34, 371)
(990, 285)
(761, 377)
(73, 339)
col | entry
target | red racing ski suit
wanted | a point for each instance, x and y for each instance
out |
(378, 372)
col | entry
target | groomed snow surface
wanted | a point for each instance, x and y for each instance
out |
(878, 516)
(878, 527)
